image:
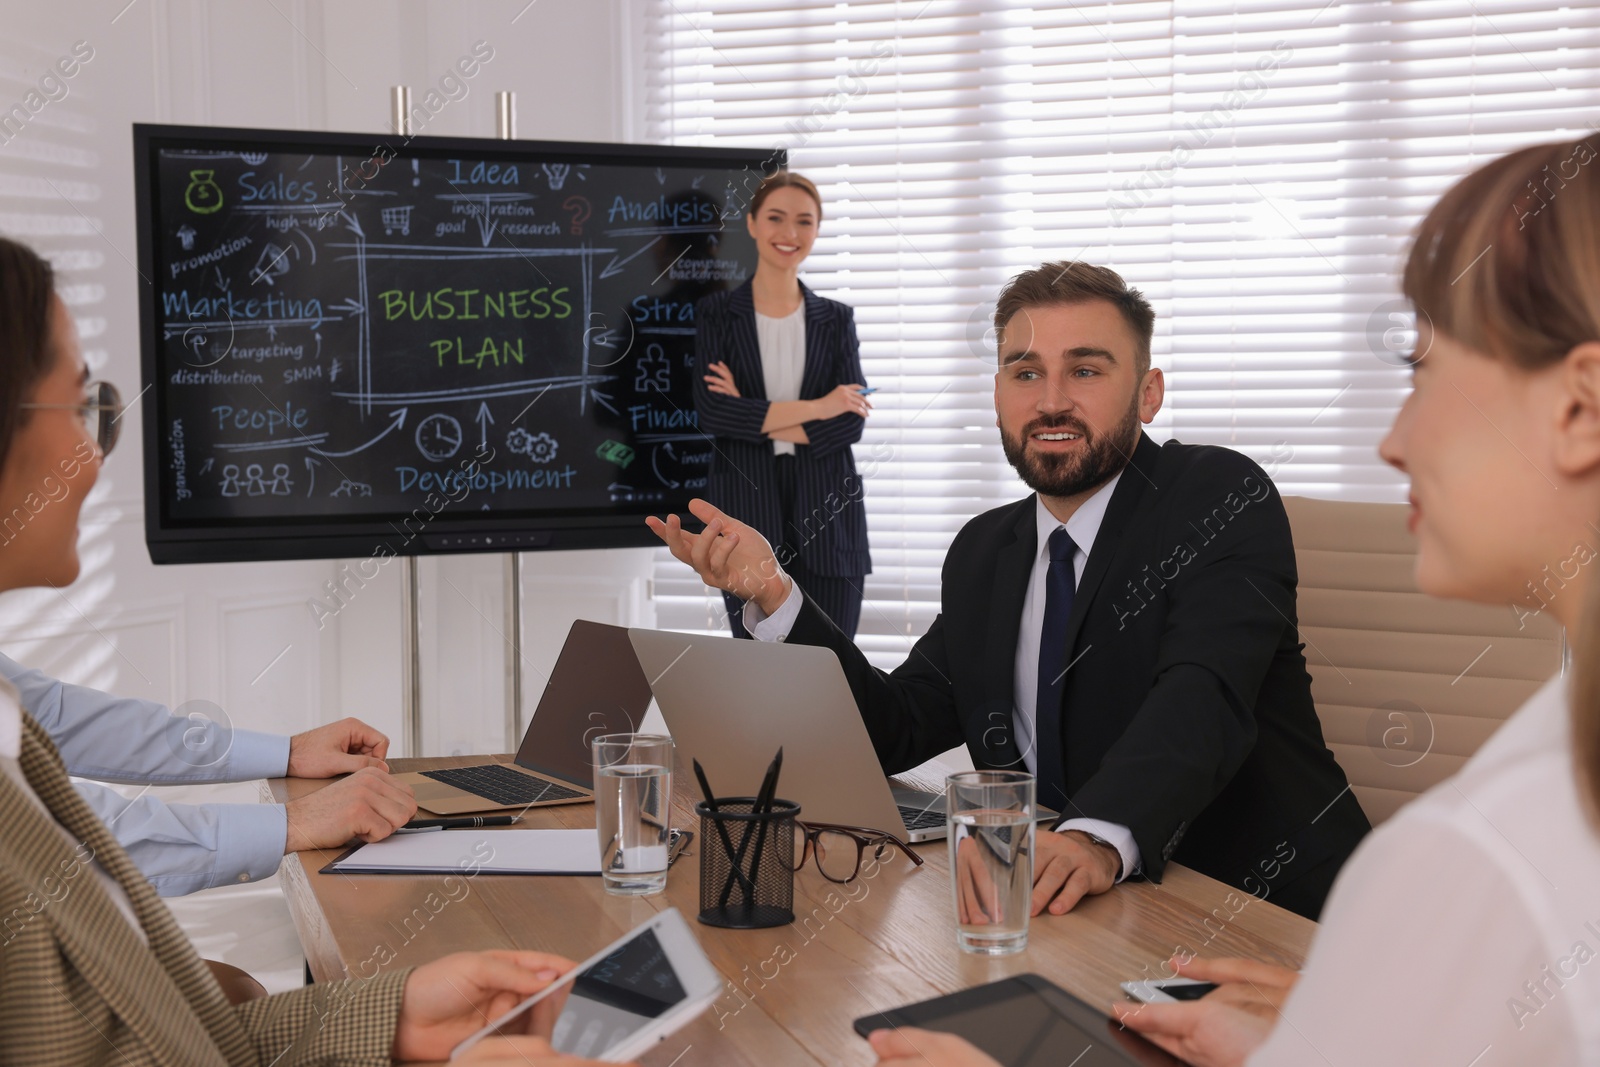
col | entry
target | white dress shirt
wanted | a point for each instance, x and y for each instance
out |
(783, 360)
(1466, 929)
(10, 754)
(1083, 527)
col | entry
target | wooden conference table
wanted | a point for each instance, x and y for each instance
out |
(793, 991)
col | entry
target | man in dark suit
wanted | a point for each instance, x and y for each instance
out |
(1127, 633)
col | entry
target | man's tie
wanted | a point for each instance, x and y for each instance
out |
(1049, 759)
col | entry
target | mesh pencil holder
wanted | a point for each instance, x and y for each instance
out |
(762, 892)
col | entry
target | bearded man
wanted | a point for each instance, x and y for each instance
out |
(1127, 633)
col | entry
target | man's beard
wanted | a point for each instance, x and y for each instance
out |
(1056, 474)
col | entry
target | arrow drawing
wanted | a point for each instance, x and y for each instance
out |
(352, 224)
(616, 265)
(311, 469)
(661, 176)
(662, 478)
(696, 183)
(208, 465)
(484, 420)
(349, 304)
(398, 418)
(600, 398)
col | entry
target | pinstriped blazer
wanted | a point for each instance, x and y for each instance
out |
(828, 523)
(78, 987)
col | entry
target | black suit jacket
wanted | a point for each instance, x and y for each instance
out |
(1187, 712)
(828, 523)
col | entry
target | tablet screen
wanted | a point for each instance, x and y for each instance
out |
(612, 999)
(1025, 1021)
(1024, 1031)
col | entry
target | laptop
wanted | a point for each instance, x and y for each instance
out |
(596, 688)
(731, 704)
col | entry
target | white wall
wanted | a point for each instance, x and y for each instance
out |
(242, 636)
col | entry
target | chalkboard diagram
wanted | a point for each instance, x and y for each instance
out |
(342, 336)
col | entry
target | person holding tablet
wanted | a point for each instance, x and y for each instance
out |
(1464, 929)
(94, 968)
(778, 381)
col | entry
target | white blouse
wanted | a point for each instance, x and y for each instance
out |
(1465, 930)
(783, 359)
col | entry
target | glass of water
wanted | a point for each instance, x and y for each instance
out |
(991, 828)
(633, 807)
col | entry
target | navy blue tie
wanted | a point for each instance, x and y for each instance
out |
(1049, 758)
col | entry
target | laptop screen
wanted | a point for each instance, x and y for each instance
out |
(595, 688)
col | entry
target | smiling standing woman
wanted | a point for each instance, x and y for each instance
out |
(1466, 930)
(779, 383)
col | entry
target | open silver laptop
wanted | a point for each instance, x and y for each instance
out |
(596, 687)
(731, 704)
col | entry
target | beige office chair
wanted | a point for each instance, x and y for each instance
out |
(1407, 686)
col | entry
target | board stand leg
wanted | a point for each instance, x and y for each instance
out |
(514, 725)
(411, 654)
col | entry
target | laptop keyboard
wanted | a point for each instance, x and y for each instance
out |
(501, 784)
(921, 818)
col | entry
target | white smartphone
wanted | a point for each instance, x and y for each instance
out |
(625, 998)
(1167, 990)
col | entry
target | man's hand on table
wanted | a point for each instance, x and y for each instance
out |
(368, 805)
(1224, 1027)
(447, 1001)
(337, 748)
(1068, 867)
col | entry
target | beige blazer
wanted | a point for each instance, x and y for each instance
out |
(77, 987)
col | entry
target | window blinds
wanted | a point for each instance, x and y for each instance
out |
(1255, 167)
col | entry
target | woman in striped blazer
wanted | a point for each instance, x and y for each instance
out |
(93, 968)
(779, 383)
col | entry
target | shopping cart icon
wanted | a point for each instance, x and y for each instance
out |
(397, 218)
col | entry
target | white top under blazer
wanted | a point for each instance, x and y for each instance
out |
(783, 360)
(1466, 929)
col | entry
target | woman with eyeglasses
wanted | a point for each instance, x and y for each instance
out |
(1466, 930)
(93, 968)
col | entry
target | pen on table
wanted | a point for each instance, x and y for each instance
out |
(472, 823)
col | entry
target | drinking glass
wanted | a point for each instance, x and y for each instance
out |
(633, 804)
(991, 827)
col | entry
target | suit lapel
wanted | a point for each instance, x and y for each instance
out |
(814, 382)
(1125, 499)
(164, 992)
(1013, 564)
(746, 346)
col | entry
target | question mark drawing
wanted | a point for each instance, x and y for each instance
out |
(579, 206)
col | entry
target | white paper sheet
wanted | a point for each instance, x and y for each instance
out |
(484, 851)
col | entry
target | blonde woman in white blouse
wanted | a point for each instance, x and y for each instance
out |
(779, 383)
(1466, 930)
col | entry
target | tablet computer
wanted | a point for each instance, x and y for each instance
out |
(622, 1000)
(1027, 1021)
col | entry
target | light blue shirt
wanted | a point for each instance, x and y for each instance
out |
(181, 848)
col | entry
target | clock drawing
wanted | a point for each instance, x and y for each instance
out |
(438, 437)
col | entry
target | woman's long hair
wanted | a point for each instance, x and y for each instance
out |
(1508, 264)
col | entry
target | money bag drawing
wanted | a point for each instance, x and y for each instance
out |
(204, 195)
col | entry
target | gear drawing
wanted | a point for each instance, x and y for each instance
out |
(539, 448)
